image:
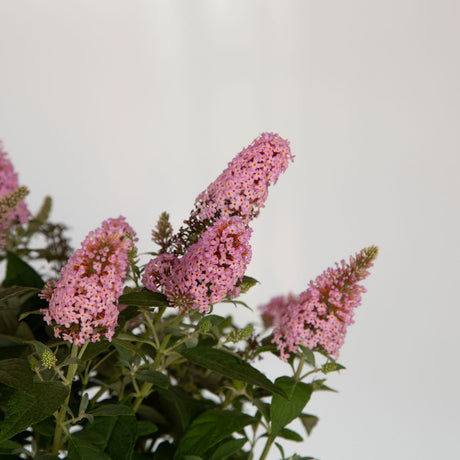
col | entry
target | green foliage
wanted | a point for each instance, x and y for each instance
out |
(283, 412)
(231, 366)
(208, 429)
(25, 408)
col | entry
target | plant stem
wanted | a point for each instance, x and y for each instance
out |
(267, 448)
(60, 417)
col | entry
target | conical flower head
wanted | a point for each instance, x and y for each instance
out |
(319, 317)
(209, 270)
(242, 188)
(83, 304)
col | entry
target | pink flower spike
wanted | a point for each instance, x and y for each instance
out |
(208, 271)
(319, 318)
(242, 188)
(83, 304)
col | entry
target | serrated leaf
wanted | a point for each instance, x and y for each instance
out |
(144, 298)
(230, 366)
(309, 422)
(19, 273)
(228, 448)
(16, 373)
(282, 412)
(28, 407)
(208, 429)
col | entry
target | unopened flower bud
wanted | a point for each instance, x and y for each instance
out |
(48, 359)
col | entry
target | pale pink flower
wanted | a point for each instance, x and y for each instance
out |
(83, 304)
(209, 270)
(319, 318)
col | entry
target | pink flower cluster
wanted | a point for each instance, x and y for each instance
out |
(242, 188)
(319, 317)
(12, 205)
(83, 303)
(208, 271)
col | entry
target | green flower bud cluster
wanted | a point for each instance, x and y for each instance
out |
(205, 326)
(48, 359)
(242, 334)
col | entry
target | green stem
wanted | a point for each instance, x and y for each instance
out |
(267, 448)
(299, 369)
(60, 417)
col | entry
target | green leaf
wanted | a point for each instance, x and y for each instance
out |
(46, 457)
(15, 290)
(155, 377)
(228, 448)
(208, 429)
(144, 428)
(309, 422)
(144, 298)
(309, 355)
(28, 407)
(112, 432)
(18, 273)
(180, 408)
(331, 367)
(16, 373)
(247, 283)
(283, 412)
(80, 449)
(110, 410)
(290, 434)
(318, 385)
(230, 366)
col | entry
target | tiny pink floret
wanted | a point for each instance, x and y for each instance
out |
(83, 304)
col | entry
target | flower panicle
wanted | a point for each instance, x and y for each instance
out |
(208, 271)
(83, 303)
(320, 316)
(242, 188)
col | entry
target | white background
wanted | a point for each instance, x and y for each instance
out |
(134, 107)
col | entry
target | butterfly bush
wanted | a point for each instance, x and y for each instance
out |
(83, 304)
(13, 208)
(320, 316)
(167, 350)
(208, 271)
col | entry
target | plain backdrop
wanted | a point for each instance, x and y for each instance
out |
(133, 107)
